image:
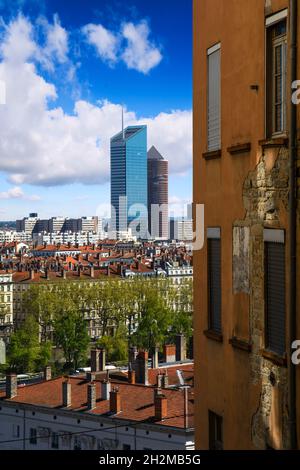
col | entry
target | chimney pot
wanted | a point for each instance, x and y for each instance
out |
(91, 396)
(47, 373)
(141, 367)
(131, 376)
(180, 348)
(11, 385)
(169, 353)
(115, 401)
(160, 407)
(105, 390)
(67, 393)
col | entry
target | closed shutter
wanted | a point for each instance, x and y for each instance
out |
(214, 101)
(275, 297)
(214, 284)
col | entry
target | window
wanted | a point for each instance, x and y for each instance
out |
(215, 431)
(16, 430)
(33, 436)
(214, 98)
(275, 291)
(126, 447)
(214, 279)
(276, 88)
(54, 440)
(77, 444)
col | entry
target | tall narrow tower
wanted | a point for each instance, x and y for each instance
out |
(157, 194)
(128, 158)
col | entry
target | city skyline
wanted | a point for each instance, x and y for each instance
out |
(62, 68)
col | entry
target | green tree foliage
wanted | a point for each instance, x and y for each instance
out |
(25, 353)
(154, 322)
(116, 346)
(70, 331)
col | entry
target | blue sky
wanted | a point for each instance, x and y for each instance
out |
(68, 67)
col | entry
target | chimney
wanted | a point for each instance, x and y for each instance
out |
(92, 272)
(180, 343)
(11, 385)
(159, 380)
(105, 389)
(91, 396)
(131, 375)
(102, 360)
(169, 353)
(66, 393)
(115, 401)
(165, 380)
(155, 359)
(47, 373)
(94, 360)
(160, 406)
(141, 367)
(90, 376)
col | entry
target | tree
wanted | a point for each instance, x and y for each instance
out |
(116, 346)
(25, 353)
(41, 302)
(154, 323)
(70, 332)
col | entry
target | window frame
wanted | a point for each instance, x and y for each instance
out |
(275, 237)
(213, 234)
(215, 424)
(210, 51)
(270, 46)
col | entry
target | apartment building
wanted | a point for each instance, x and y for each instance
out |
(246, 307)
(6, 305)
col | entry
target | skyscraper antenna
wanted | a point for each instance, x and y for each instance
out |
(123, 132)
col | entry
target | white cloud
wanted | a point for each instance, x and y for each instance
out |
(140, 54)
(56, 41)
(105, 42)
(43, 145)
(17, 193)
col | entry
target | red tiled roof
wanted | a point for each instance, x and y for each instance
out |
(137, 401)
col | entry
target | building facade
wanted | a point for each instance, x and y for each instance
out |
(6, 305)
(157, 195)
(246, 314)
(129, 179)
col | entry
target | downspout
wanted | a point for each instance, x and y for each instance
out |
(293, 227)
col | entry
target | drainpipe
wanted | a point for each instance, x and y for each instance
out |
(293, 227)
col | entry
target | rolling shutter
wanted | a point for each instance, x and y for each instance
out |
(214, 101)
(214, 284)
(275, 297)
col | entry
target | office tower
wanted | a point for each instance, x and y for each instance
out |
(246, 302)
(129, 180)
(157, 194)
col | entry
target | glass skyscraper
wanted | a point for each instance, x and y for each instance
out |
(129, 198)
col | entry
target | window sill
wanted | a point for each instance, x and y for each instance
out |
(239, 148)
(240, 344)
(275, 358)
(211, 334)
(212, 155)
(274, 142)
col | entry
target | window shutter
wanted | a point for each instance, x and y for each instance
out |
(214, 284)
(275, 297)
(214, 101)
